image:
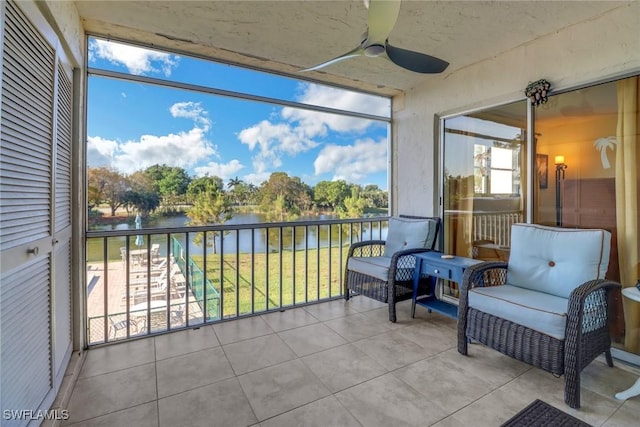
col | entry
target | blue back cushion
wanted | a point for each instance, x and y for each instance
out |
(556, 260)
(409, 233)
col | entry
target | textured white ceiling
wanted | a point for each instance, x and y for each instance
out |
(286, 36)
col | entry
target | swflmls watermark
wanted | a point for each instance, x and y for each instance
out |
(38, 415)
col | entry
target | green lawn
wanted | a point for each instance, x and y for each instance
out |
(317, 275)
(287, 278)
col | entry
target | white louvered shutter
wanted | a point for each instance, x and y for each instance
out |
(35, 215)
(61, 289)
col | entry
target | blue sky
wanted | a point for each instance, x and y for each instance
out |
(131, 125)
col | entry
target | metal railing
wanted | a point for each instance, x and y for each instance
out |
(148, 281)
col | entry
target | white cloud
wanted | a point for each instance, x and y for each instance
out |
(272, 141)
(352, 162)
(315, 123)
(100, 151)
(222, 170)
(256, 178)
(294, 131)
(183, 149)
(136, 59)
(191, 110)
(343, 99)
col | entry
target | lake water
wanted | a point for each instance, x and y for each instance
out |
(242, 239)
(182, 221)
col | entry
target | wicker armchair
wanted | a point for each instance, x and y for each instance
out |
(551, 312)
(377, 270)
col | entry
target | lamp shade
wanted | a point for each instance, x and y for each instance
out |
(559, 160)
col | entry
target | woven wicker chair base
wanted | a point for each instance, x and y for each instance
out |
(586, 332)
(539, 350)
(516, 341)
(400, 274)
(379, 290)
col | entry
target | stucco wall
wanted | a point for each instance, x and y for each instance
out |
(68, 27)
(593, 51)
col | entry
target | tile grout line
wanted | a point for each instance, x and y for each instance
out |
(155, 366)
(484, 395)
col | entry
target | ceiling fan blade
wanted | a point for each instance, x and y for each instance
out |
(383, 15)
(415, 61)
(355, 52)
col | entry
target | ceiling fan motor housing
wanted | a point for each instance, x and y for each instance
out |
(374, 50)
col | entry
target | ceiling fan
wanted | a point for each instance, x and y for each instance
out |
(383, 15)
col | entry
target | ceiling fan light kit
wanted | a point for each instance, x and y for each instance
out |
(383, 15)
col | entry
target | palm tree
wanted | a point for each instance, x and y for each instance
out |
(233, 182)
(602, 144)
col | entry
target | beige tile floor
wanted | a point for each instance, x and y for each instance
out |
(332, 364)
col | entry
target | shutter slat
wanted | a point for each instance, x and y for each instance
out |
(19, 127)
(25, 334)
(62, 300)
(29, 40)
(26, 131)
(12, 98)
(63, 153)
(14, 145)
(18, 219)
(24, 66)
(12, 178)
(29, 231)
(25, 82)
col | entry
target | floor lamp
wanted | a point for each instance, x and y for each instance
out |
(560, 167)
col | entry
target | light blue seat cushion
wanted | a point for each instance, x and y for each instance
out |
(378, 267)
(539, 311)
(556, 260)
(375, 266)
(409, 233)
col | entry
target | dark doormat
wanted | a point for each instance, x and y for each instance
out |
(541, 414)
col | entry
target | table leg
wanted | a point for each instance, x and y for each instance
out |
(634, 390)
(416, 284)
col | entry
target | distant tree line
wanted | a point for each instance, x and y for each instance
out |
(165, 189)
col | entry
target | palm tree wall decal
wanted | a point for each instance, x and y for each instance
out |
(602, 144)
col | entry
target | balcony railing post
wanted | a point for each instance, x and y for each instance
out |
(280, 233)
(293, 265)
(237, 274)
(188, 279)
(221, 257)
(329, 257)
(267, 252)
(105, 269)
(205, 300)
(253, 287)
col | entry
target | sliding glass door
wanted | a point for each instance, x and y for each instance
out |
(484, 155)
(483, 161)
(590, 137)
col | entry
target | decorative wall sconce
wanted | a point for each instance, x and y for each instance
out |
(538, 92)
(560, 167)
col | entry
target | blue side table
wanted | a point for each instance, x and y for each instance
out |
(433, 264)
